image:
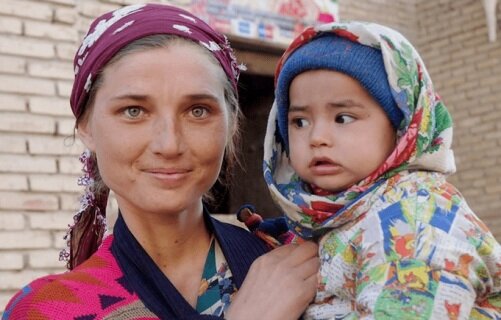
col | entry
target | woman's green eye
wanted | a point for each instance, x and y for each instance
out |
(199, 112)
(133, 112)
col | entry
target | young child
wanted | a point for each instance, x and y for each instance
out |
(357, 149)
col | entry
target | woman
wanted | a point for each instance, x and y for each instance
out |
(155, 101)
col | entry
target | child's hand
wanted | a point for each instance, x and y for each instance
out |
(279, 285)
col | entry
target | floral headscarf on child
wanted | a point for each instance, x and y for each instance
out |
(424, 136)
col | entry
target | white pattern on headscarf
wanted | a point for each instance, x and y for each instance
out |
(182, 28)
(124, 26)
(102, 26)
(188, 18)
(212, 46)
(88, 83)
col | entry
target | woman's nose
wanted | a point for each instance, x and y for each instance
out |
(167, 137)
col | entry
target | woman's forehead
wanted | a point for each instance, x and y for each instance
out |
(181, 69)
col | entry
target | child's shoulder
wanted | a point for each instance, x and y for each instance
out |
(419, 187)
(428, 199)
(415, 181)
(425, 198)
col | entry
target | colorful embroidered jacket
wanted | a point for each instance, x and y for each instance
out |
(120, 281)
(402, 243)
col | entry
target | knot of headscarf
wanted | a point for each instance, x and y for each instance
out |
(114, 30)
(424, 137)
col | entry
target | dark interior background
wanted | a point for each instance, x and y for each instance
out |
(247, 185)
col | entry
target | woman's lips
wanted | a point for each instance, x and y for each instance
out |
(170, 176)
(167, 171)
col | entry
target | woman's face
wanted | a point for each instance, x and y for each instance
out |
(159, 126)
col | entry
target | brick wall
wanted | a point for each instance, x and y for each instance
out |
(38, 165)
(38, 158)
(399, 14)
(466, 69)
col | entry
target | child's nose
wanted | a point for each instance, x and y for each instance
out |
(320, 135)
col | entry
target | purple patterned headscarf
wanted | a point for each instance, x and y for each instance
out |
(106, 36)
(114, 30)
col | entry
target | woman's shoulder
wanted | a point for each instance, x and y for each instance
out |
(88, 289)
(19, 305)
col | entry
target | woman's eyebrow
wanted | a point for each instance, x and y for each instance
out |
(131, 96)
(144, 97)
(203, 96)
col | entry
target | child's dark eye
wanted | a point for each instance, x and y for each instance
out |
(343, 118)
(199, 112)
(133, 112)
(300, 122)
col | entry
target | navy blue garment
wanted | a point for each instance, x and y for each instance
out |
(158, 294)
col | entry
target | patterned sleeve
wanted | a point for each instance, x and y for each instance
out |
(424, 257)
(413, 290)
(440, 262)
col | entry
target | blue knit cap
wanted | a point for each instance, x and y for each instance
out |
(331, 52)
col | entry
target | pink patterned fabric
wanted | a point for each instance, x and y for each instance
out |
(94, 290)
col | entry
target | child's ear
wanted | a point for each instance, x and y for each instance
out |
(84, 133)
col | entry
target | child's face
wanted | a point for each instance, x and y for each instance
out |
(338, 134)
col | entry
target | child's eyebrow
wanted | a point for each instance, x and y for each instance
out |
(297, 108)
(348, 103)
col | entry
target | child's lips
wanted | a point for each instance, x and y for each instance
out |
(324, 166)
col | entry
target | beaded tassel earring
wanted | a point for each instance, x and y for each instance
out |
(89, 223)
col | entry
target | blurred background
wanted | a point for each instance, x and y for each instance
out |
(39, 163)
